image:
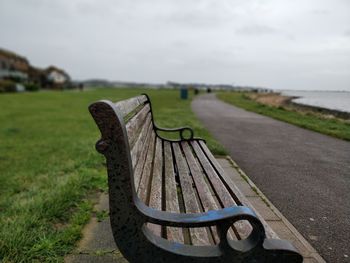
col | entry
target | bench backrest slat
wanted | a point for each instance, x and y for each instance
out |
(142, 191)
(126, 107)
(135, 124)
(142, 157)
(139, 145)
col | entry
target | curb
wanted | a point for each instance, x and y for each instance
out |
(313, 253)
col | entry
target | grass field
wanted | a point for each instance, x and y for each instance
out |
(49, 169)
(333, 127)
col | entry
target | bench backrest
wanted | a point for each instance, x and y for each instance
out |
(127, 132)
(132, 122)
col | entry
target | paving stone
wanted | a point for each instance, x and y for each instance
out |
(317, 257)
(103, 204)
(224, 163)
(98, 235)
(88, 258)
(263, 209)
(233, 174)
(245, 188)
(284, 233)
(309, 260)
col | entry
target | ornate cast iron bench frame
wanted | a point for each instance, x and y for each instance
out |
(132, 220)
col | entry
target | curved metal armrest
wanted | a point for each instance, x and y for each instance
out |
(211, 218)
(181, 130)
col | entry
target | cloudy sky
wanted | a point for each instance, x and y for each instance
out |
(279, 44)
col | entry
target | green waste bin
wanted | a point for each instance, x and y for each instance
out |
(184, 93)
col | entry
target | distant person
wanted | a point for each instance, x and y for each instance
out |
(208, 90)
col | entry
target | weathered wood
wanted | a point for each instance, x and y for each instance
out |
(144, 187)
(140, 141)
(157, 185)
(136, 123)
(243, 227)
(205, 195)
(199, 236)
(125, 107)
(171, 199)
(238, 194)
(142, 158)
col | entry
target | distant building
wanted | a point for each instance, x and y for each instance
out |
(18, 69)
(13, 66)
(37, 76)
(57, 76)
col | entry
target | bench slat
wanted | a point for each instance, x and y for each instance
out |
(143, 190)
(127, 106)
(199, 236)
(135, 124)
(243, 227)
(156, 185)
(141, 160)
(205, 195)
(140, 142)
(269, 232)
(172, 201)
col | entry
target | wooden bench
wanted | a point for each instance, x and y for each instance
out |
(170, 200)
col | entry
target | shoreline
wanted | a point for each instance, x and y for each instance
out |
(280, 107)
(324, 111)
(276, 99)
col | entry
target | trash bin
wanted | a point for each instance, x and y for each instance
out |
(183, 93)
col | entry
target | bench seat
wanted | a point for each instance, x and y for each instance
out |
(171, 198)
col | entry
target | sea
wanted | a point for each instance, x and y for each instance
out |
(334, 100)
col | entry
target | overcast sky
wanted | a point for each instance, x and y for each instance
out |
(278, 44)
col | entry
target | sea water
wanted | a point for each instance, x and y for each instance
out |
(334, 100)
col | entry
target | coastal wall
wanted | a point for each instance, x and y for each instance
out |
(339, 114)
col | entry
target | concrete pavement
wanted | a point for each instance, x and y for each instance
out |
(305, 174)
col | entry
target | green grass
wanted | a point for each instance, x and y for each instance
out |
(49, 168)
(333, 127)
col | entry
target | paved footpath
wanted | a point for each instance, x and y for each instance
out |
(306, 175)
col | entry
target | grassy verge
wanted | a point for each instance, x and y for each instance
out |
(333, 127)
(49, 168)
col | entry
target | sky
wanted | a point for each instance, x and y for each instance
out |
(277, 44)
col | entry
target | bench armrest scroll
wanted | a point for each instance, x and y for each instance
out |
(223, 219)
(181, 130)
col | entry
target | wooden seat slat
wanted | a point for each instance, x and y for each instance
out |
(171, 198)
(243, 200)
(199, 236)
(243, 227)
(205, 195)
(157, 185)
(218, 186)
